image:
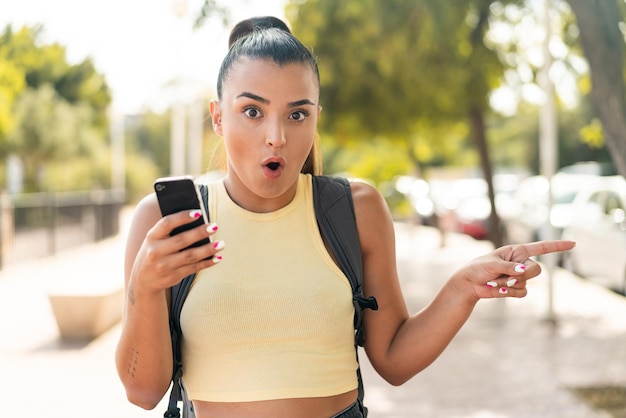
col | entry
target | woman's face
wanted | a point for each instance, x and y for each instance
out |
(267, 116)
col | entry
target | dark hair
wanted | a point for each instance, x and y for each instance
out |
(269, 38)
(244, 27)
(264, 37)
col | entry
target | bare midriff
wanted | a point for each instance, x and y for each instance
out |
(325, 407)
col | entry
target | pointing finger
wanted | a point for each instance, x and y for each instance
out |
(545, 247)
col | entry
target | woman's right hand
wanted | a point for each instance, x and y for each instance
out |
(163, 260)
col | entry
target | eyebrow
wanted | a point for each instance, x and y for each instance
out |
(266, 101)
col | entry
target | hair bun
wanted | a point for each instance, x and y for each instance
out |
(246, 27)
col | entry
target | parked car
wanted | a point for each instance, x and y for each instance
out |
(529, 214)
(598, 225)
(465, 202)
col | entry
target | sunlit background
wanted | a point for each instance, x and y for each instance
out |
(141, 46)
(478, 122)
(420, 99)
(110, 95)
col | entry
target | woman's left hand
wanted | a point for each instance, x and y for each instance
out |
(505, 271)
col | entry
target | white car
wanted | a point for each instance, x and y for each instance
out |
(598, 225)
(526, 220)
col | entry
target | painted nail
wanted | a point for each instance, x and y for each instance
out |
(519, 268)
(211, 228)
(511, 282)
(216, 259)
(503, 290)
(195, 213)
(219, 245)
(492, 284)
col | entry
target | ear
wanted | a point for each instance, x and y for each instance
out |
(216, 116)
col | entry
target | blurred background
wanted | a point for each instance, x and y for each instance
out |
(501, 121)
(481, 117)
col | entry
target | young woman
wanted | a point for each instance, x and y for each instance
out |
(268, 321)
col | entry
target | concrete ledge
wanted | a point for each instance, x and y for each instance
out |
(86, 313)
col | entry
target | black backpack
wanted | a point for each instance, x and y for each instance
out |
(334, 211)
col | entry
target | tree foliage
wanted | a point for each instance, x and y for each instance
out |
(392, 68)
(50, 129)
(51, 111)
(382, 63)
(400, 69)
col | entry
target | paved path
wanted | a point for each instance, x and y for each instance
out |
(506, 362)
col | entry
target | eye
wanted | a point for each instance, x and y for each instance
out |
(252, 112)
(299, 115)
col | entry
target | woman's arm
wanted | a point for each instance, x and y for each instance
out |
(400, 345)
(153, 263)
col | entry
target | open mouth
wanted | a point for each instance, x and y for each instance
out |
(273, 166)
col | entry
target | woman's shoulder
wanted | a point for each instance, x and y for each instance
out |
(373, 217)
(148, 205)
(364, 194)
(146, 213)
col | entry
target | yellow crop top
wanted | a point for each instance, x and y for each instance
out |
(274, 319)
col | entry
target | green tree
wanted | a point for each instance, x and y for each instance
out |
(392, 68)
(579, 133)
(600, 23)
(49, 129)
(51, 111)
(82, 84)
(12, 84)
(47, 64)
(381, 63)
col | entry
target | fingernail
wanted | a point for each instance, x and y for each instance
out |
(211, 228)
(195, 213)
(492, 284)
(219, 245)
(503, 290)
(519, 268)
(217, 259)
(511, 282)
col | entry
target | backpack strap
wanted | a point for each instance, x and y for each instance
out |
(179, 294)
(334, 210)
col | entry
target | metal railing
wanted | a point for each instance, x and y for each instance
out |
(41, 224)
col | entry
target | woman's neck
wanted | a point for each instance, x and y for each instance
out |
(258, 201)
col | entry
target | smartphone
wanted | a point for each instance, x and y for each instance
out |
(180, 193)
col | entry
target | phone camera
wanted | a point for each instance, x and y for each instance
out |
(160, 187)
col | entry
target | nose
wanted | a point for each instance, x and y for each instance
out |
(275, 136)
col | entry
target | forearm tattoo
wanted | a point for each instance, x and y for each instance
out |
(132, 362)
(131, 295)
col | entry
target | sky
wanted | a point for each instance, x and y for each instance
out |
(139, 45)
